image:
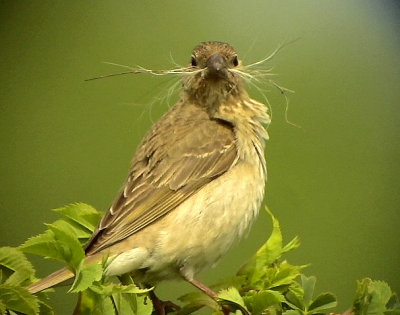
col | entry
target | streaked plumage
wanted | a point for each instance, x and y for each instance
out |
(181, 156)
(196, 181)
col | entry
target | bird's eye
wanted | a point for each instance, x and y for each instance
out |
(193, 61)
(235, 61)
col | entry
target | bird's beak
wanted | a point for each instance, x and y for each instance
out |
(217, 67)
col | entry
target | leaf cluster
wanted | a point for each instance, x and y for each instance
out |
(375, 298)
(266, 284)
(63, 241)
(15, 273)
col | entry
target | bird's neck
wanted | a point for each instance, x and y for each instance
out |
(210, 94)
(247, 116)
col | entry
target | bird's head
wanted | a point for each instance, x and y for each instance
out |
(214, 71)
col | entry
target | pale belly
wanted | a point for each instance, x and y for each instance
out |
(200, 231)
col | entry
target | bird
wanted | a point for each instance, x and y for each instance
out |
(196, 181)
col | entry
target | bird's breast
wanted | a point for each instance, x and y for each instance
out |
(204, 227)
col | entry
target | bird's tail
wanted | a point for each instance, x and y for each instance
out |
(55, 278)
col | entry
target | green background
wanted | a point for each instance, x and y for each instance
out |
(334, 182)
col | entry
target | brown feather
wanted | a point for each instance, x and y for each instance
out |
(183, 152)
(51, 280)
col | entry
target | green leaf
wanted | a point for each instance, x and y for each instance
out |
(380, 294)
(188, 297)
(301, 298)
(45, 309)
(375, 298)
(126, 304)
(257, 268)
(69, 247)
(294, 298)
(322, 303)
(293, 244)
(144, 305)
(259, 301)
(83, 214)
(114, 288)
(2, 308)
(283, 274)
(76, 230)
(362, 298)
(43, 245)
(14, 261)
(292, 312)
(60, 241)
(266, 255)
(190, 308)
(128, 299)
(92, 303)
(232, 297)
(273, 248)
(235, 281)
(393, 305)
(86, 275)
(308, 285)
(18, 299)
(195, 301)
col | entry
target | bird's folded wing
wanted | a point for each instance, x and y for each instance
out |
(183, 152)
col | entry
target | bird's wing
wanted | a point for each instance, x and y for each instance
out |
(183, 152)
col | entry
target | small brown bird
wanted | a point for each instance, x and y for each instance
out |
(196, 182)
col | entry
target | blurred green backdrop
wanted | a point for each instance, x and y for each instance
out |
(334, 182)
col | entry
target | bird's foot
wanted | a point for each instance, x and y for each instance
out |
(162, 307)
(212, 294)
